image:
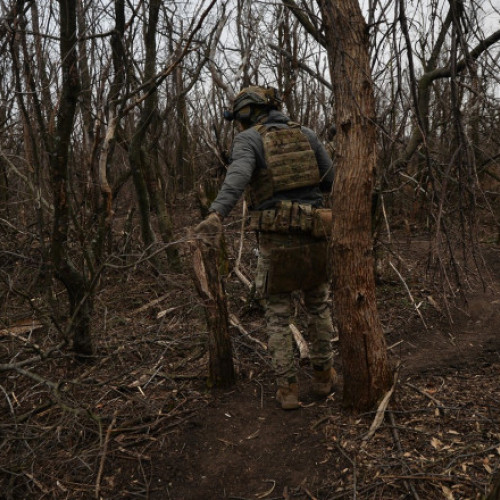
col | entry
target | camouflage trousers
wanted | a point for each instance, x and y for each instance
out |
(278, 311)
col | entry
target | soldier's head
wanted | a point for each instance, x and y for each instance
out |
(251, 103)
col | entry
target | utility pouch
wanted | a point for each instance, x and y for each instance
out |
(322, 223)
(254, 221)
(267, 220)
(305, 218)
(295, 217)
(282, 220)
(299, 267)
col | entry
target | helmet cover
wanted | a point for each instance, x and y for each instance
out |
(254, 96)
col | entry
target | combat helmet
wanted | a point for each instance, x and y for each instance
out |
(251, 98)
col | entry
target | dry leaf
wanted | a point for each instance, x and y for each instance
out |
(436, 443)
(448, 494)
(486, 465)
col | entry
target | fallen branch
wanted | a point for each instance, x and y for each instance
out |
(103, 457)
(354, 469)
(149, 305)
(233, 321)
(300, 341)
(409, 485)
(379, 416)
(427, 395)
(20, 328)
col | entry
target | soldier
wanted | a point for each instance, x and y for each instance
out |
(284, 169)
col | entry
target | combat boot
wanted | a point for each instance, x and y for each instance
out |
(288, 396)
(323, 381)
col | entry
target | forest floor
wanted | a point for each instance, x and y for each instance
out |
(140, 422)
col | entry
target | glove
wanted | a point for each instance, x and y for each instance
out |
(209, 230)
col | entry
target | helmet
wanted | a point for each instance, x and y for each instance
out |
(252, 96)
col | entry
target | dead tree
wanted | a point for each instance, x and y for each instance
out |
(211, 290)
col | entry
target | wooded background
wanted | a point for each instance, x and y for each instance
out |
(112, 144)
(112, 111)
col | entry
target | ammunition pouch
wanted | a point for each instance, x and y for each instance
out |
(294, 217)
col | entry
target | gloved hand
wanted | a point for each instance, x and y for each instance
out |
(209, 230)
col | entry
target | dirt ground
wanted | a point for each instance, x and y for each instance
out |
(140, 421)
(440, 439)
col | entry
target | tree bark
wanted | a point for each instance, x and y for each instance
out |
(75, 282)
(210, 288)
(367, 374)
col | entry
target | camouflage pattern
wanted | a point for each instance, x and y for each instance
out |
(291, 163)
(278, 314)
(256, 96)
(247, 156)
(293, 217)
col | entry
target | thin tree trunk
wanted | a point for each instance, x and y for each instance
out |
(136, 151)
(4, 188)
(183, 165)
(367, 375)
(74, 281)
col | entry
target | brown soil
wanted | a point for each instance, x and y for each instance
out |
(140, 421)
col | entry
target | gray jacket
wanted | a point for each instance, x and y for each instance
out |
(248, 154)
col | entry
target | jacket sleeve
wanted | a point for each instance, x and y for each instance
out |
(324, 160)
(239, 173)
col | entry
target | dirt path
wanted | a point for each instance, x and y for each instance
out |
(441, 438)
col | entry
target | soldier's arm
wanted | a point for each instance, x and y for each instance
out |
(239, 173)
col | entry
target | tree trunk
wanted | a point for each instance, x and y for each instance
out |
(184, 168)
(210, 288)
(75, 282)
(137, 149)
(4, 189)
(367, 375)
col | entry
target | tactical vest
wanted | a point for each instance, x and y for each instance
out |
(290, 161)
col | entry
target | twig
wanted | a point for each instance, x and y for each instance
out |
(428, 477)
(149, 305)
(427, 395)
(409, 485)
(388, 228)
(308, 493)
(320, 421)
(354, 474)
(236, 268)
(233, 320)
(474, 454)
(409, 294)
(379, 416)
(395, 345)
(103, 457)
